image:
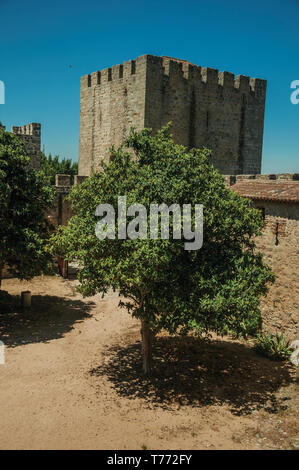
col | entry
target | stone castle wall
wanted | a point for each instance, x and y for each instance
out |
(31, 136)
(111, 101)
(279, 244)
(207, 108)
(61, 212)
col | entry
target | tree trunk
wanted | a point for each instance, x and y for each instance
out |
(147, 338)
(1, 268)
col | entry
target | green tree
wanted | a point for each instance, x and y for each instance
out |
(216, 288)
(51, 166)
(24, 199)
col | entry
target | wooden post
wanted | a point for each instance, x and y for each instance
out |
(63, 267)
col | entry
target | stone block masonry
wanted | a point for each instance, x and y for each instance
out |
(207, 108)
(61, 212)
(31, 136)
(277, 197)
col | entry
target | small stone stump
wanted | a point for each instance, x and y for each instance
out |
(26, 299)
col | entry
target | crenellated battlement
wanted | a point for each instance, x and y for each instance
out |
(109, 74)
(31, 136)
(233, 179)
(207, 108)
(178, 69)
(64, 181)
(33, 129)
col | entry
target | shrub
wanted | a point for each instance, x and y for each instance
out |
(274, 347)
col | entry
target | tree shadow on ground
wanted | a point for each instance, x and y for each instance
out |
(192, 372)
(50, 317)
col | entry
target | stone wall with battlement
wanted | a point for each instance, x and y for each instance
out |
(31, 136)
(61, 212)
(279, 241)
(277, 197)
(207, 108)
(232, 179)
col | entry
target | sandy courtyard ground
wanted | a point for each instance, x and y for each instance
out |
(72, 380)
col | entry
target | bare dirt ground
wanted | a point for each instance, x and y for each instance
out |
(72, 380)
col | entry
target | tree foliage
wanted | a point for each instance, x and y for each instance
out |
(24, 199)
(51, 166)
(216, 288)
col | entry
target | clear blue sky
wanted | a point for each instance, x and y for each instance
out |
(41, 39)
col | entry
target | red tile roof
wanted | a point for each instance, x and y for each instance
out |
(286, 191)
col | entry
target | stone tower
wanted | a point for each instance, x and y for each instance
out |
(31, 136)
(207, 108)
